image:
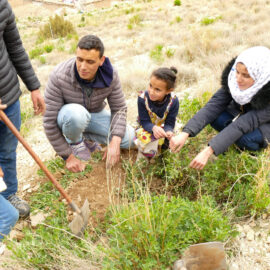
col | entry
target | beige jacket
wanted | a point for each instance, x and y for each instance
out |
(63, 88)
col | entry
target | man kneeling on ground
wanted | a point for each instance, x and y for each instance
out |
(75, 120)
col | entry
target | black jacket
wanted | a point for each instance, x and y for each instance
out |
(13, 58)
(255, 114)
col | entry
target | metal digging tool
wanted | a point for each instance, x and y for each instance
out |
(80, 221)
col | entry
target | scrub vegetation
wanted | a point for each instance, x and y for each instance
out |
(163, 207)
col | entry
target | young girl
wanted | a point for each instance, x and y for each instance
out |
(157, 109)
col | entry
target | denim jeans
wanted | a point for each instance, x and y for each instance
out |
(252, 141)
(8, 145)
(8, 217)
(75, 122)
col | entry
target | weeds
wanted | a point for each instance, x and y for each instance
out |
(156, 53)
(209, 20)
(177, 2)
(56, 27)
(152, 232)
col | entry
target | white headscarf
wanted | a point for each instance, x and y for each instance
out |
(257, 62)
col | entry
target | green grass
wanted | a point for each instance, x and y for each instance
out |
(153, 231)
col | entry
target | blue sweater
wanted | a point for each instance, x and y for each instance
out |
(159, 108)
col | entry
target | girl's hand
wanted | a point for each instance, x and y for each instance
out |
(2, 106)
(169, 135)
(159, 132)
(177, 142)
(201, 159)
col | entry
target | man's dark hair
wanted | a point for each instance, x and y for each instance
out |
(90, 42)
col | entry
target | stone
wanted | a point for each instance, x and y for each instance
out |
(37, 218)
(250, 235)
(25, 187)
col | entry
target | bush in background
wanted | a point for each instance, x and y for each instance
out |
(56, 27)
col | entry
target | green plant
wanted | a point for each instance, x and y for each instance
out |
(36, 52)
(170, 52)
(48, 48)
(136, 19)
(177, 2)
(56, 27)
(130, 26)
(178, 19)
(209, 20)
(42, 59)
(152, 232)
(156, 53)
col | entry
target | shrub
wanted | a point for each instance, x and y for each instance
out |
(48, 48)
(235, 180)
(178, 19)
(35, 52)
(152, 232)
(136, 19)
(177, 2)
(170, 52)
(156, 53)
(56, 27)
(209, 20)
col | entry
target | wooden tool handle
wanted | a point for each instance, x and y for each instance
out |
(14, 130)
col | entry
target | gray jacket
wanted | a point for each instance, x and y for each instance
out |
(63, 88)
(254, 115)
(13, 58)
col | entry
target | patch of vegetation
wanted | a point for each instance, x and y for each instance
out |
(40, 248)
(178, 19)
(56, 27)
(177, 2)
(152, 232)
(209, 20)
(156, 53)
(135, 20)
(36, 52)
(169, 52)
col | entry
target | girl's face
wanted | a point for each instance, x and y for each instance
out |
(157, 89)
(243, 78)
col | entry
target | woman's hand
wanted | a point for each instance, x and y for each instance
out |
(201, 159)
(177, 142)
(158, 132)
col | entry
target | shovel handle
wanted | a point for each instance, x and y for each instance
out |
(14, 130)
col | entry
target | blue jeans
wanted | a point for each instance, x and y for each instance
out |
(8, 145)
(75, 122)
(8, 217)
(252, 141)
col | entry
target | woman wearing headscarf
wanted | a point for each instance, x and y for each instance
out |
(239, 110)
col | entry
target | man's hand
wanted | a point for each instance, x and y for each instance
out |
(1, 172)
(112, 152)
(201, 159)
(158, 132)
(73, 164)
(2, 106)
(38, 102)
(177, 142)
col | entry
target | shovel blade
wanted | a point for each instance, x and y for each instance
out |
(80, 221)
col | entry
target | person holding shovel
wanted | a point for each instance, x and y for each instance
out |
(239, 110)
(14, 61)
(75, 119)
